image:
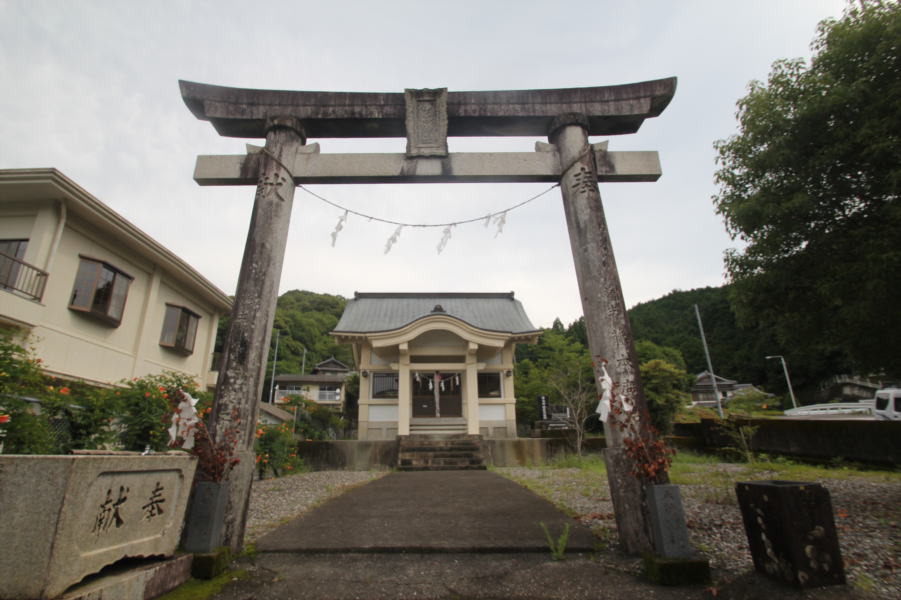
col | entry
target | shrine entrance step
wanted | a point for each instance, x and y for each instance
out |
(420, 452)
(445, 426)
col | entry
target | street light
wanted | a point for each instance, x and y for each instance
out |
(787, 378)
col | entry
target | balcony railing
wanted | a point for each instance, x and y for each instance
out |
(19, 277)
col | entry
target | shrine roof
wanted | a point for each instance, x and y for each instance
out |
(379, 312)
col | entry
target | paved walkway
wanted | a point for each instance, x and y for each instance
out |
(433, 511)
(456, 535)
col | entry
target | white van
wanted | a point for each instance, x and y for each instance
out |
(887, 406)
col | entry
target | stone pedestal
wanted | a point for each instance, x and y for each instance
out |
(668, 521)
(206, 514)
(791, 532)
(66, 517)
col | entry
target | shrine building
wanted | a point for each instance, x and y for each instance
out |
(435, 363)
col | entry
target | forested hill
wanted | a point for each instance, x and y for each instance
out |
(302, 320)
(670, 321)
(737, 352)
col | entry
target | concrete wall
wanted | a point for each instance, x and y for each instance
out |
(356, 455)
(873, 442)
(348, 455)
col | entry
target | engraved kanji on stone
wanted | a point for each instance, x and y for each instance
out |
(154, 506)
(583, 182)
(109, 512)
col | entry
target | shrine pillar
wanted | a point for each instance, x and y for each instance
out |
(404, 390)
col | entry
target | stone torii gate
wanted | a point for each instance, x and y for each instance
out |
(286, 119)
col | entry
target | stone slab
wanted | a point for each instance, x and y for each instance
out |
(668, 521)
(136, 583)
(66, 517)
(457, 167)
(791, 532)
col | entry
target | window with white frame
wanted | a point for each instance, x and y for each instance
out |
(179, 329)
(100, 290)
(384, 385)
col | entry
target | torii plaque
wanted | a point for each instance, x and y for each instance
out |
(426, 118)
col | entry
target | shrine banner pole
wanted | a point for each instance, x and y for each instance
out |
(606, 321)
(240, 383)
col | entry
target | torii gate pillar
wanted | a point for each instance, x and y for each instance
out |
(246, 349)
(606, 320)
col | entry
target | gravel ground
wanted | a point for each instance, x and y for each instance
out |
(868, 516)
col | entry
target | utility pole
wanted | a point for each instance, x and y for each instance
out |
(788, 380)
(274, 362)
(716, 391)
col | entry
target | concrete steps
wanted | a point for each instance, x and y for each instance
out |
(444, 426)
(418, 452)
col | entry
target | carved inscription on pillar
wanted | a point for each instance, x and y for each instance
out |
(426, 122)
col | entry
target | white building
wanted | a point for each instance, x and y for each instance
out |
(99, 299)
(435, 363)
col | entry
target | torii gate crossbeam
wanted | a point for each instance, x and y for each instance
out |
(426, 118)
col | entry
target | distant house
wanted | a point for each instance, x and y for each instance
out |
(99, 300)
(273, 415)
(325, 385)
(435, 363)
(702, 390)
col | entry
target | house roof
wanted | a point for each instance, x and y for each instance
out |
(378, 312)
(702, 380)
(274, 411)
(50, 184)
(330, 365)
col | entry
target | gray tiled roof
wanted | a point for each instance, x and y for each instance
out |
(371, 313)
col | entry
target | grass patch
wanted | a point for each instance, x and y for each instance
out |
(197, 589)
(782, 468)
(690, 468)
(588, 463)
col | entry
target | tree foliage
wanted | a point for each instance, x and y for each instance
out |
(663, 384)
(810, 185)
(560, 368)
(303, 320)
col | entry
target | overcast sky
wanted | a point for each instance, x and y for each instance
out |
(90, 87)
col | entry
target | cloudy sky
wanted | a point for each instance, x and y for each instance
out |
(91, 87)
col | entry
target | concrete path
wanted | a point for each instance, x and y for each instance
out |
(428, 512)
(456, 535)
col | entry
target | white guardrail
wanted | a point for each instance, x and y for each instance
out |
(833, 408)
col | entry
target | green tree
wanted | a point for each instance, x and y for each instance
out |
(647, 351)
(663, 385)
(810, 185)
(561, 369)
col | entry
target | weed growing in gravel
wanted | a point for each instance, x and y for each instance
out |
(864, 582)
(558, 546)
